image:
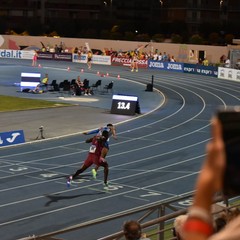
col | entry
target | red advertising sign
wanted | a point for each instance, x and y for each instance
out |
(123, 61)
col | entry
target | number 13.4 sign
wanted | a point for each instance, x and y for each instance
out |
(124, 104)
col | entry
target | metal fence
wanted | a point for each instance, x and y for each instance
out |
(167, 210)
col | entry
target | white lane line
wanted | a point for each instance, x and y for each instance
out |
(137, 198)
(113, 180)
(59, 209)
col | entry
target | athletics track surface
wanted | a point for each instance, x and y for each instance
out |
(157, 156)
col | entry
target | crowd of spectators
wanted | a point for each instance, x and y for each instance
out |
(219, 221)
(140, 52)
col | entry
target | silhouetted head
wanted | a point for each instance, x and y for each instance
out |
(132, 230)
(105, 134)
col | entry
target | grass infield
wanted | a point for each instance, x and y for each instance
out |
(8, 104)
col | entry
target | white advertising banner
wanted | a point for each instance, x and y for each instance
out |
(229, 74)
(96, 59)
(19, 54)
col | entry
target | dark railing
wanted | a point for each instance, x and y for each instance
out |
(158, 224)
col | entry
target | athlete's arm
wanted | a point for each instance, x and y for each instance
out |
(91, 132)
(114, 134)
(104, 152)
(88, 140)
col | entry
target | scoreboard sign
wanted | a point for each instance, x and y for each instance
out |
(125, 105)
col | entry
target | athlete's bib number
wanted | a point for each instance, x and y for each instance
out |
(92, 149)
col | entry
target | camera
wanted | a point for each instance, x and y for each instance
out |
(41, 128)
(230, 121)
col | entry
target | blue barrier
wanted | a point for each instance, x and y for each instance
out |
(200, 69)
(168, 66)
(184, 67)
(11, 138)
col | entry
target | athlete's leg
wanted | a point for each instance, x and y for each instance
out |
(106, 170)
(96, 168)
(79, 171)
(87, 163)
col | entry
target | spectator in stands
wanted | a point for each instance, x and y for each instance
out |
(78, 86)
(165, 57)
(205, 62)
(219, 223)
(178, 226)
(172, 59)
(160, 57)
(198, 225)
(86, 87)
(155, 56)
(45, 82)
(133, 231)
(56, 48)
(227, 63)
(232, 214)
(75, 50)
(79, 53)
(200, 61)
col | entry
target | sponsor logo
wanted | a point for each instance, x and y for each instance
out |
(82, 57)
(45, 55)
(10, 53)
(174, 66)
(156, 64)
(100, 58)
(10, 138)
(128, 61)
(222, 73)
(238, 75)
(205, 71)
(63, 56)
(189, 69)
(121, 60)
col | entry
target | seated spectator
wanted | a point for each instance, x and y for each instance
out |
(232, 214)
(86, 87)
(37, 89)
(178, 226)
(133, 231)
(219, 223)
(198, 225)
(78, 87)
(45, 82)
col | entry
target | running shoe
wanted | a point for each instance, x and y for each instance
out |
(94, 173)
(105, 185)
(69, 180)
